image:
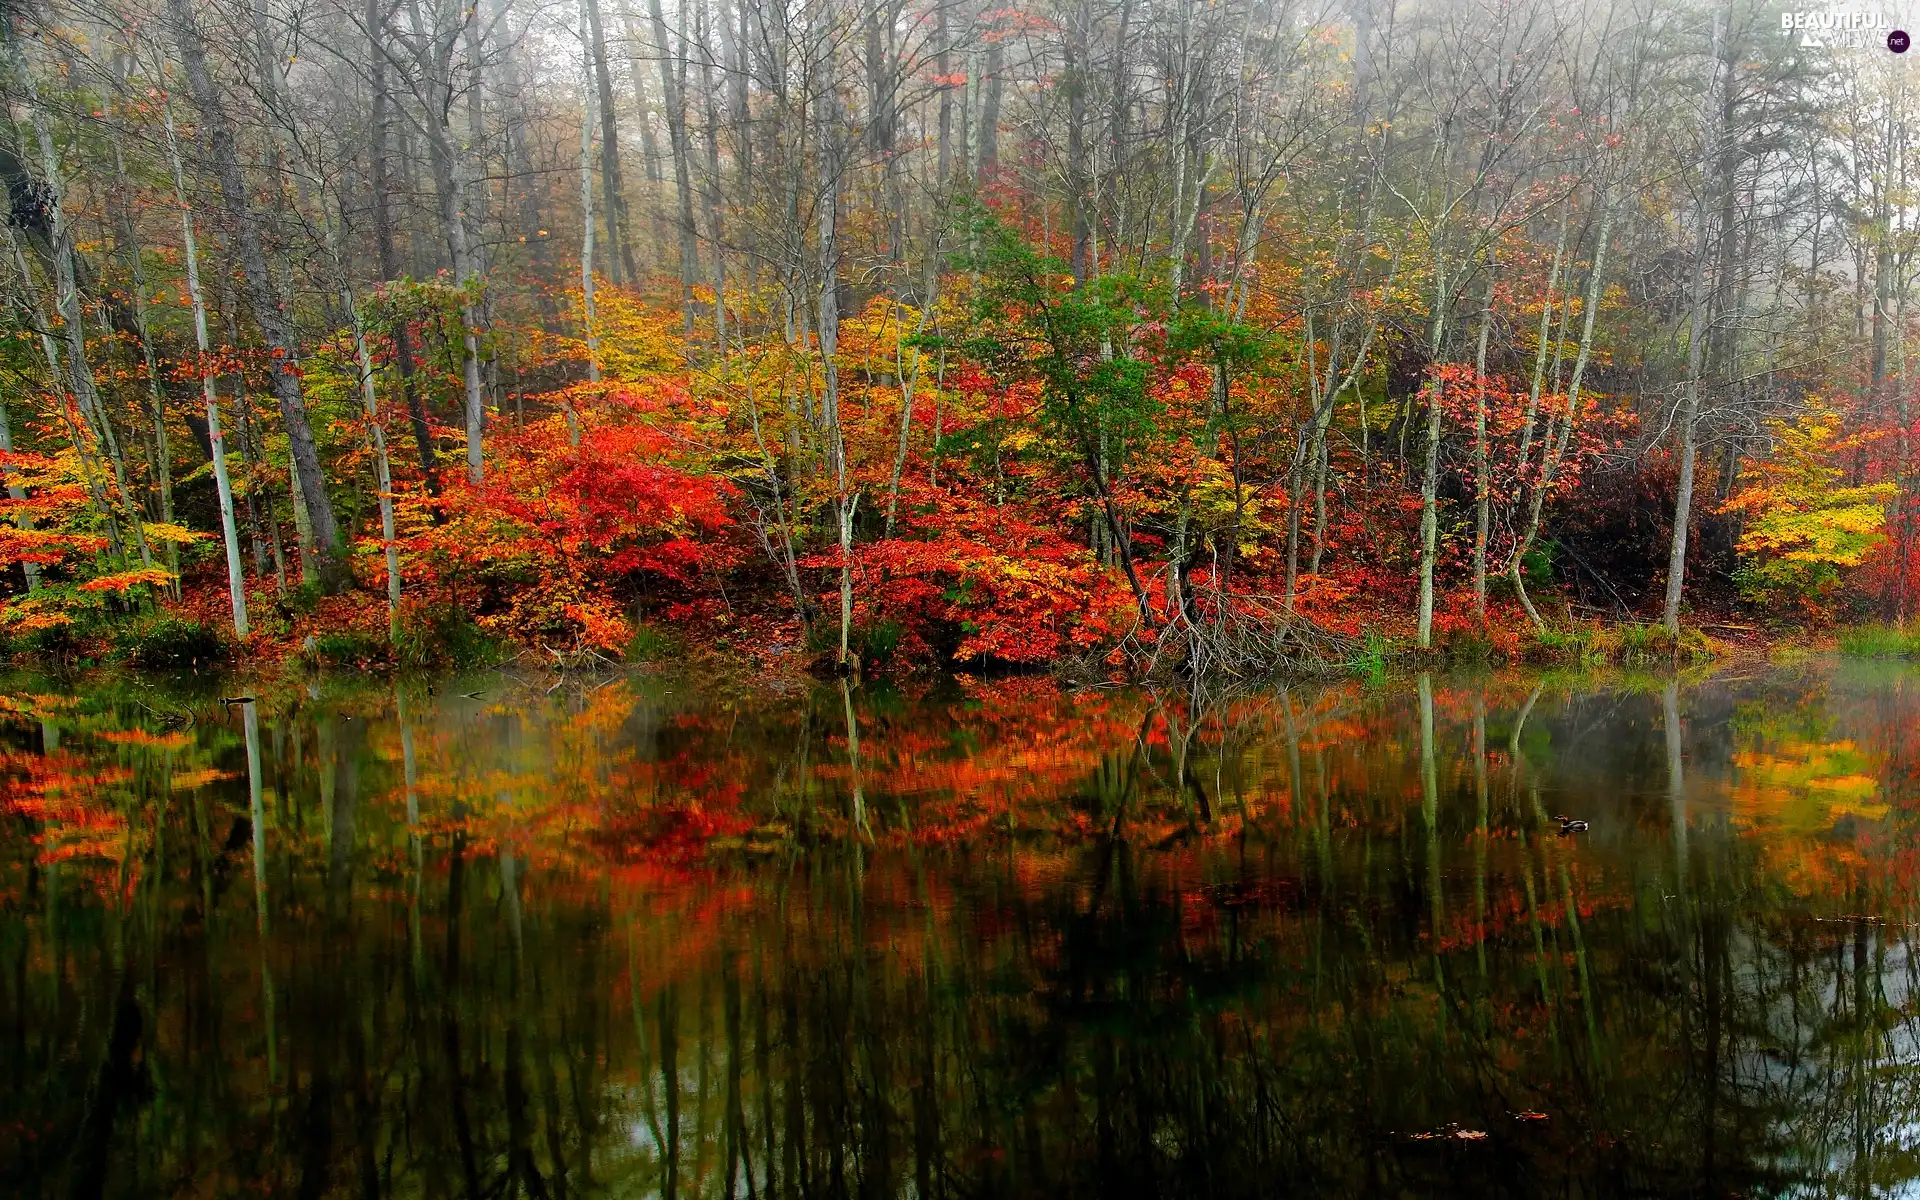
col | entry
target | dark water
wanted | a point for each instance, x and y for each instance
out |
(655, 936)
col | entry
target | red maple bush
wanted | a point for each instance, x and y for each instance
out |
(560, 540)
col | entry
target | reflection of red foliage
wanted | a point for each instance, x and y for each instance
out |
(674, 834)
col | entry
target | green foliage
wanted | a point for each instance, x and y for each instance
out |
(1371, 662)
(1035, 321)
(1536, 566)
(165, 640)
(1572, 645)
(1635, 642)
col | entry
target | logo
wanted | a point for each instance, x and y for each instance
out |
(1832, 28)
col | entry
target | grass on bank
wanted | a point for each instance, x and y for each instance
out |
(1880, 641)
(1579, 645)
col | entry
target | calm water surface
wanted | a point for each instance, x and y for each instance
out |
(647, 936)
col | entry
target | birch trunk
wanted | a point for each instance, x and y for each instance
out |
(589, 312)
(216, 439)
(909, 383)
(1689, 414)
(162, 467)
(1557, 447)
(66, 293)
(1430, 472)
(1482, 468)
(710, 195)
(84, 444)
(845, 502)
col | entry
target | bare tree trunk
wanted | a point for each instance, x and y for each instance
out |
(370, 399)
(229, 533)
(1556, 448)
(649, 144)
(521, 184)
(991, 89)
(379, 175)
(1430, 471)
(66, 295)
(162, 469)
(710, 192)
(275, 324)
(450, 178)
(673, 64)
(85, 442)
(1074, 79)
(589, 312)
(845, 502)
(1482, 469)
(1688, 417)
(1546, 327)
(618, 235)
(909, 380)
(943, 133)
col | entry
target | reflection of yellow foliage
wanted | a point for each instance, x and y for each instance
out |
(187, 781)
(1791, 795)
(1804, 786)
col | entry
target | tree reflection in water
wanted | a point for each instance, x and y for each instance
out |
(974, 938)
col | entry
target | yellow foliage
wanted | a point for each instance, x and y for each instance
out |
(125, 581)
(636, 340)
(179, 535)
(1802, 527)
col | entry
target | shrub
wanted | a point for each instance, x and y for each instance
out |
(347, 649)
(876, 642)
(440, 635)
(1560, 645)
(650, 643)
(1371, 661)
(165, 640)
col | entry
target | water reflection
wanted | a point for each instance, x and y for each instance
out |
(639, 937)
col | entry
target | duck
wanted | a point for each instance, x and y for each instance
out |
(1570, 825)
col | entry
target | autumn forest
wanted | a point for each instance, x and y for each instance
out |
(1131, 333)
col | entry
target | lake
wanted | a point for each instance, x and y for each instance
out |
(665, 935)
